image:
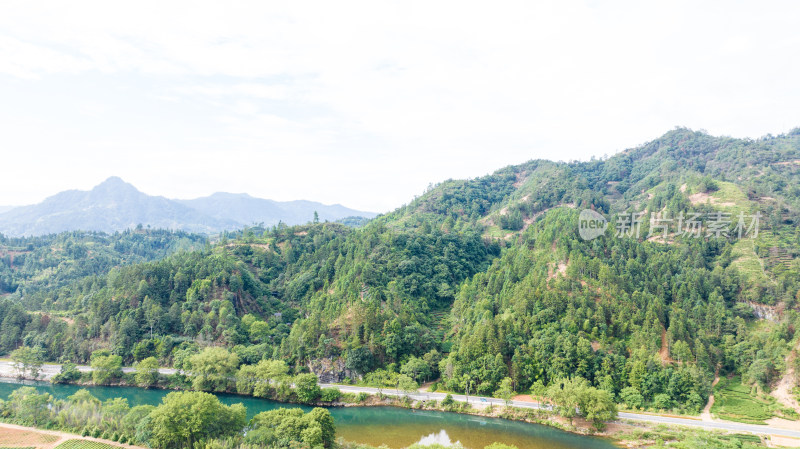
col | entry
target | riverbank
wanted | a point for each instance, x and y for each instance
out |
(624, 431)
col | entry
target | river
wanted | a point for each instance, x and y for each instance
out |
(392, 426)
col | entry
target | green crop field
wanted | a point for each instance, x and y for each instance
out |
(83, 444)
(735, 402)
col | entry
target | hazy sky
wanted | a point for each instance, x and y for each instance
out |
(365, 103)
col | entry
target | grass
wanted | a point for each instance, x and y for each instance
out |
(83, 444)
(730, 193)
(734, 401)
(746, 262)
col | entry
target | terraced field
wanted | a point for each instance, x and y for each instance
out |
(735, 402)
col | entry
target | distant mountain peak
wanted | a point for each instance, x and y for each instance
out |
(229, 195)
(115, 205)
(114, 183)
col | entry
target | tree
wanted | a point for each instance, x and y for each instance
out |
(681, 351)
(152, 312)
(146, 372)
(69, 373)
(306, 387)
(708, 184)
(260, 378)
(631, 397)
(324, 419)
(105, 367)
(287, 426)
(360, 360)
(28, 360)
(186, 418)
(576, 397)
(416, 368)
(662, 401)
(259, 331)
(598, 406)
(135, 417)
(29, 406)
(466, 382)
(565, 394)
(406, 384)
(506, 391)
(448, 401)
(213, 369)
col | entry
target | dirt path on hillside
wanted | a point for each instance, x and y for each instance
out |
(664, 351)
(783, 390)
(705, 415)
(12, 435)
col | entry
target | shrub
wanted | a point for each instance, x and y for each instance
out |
(662, 401)
(632, 397)
(330, 395)
(448, 401)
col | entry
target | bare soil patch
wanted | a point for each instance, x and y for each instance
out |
(664, 351)
(783, 390)
(704, 198)
(12, 435)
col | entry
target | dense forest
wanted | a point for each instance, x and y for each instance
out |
(474, 284)
(52, 261)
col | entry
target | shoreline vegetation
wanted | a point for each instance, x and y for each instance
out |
(624, 434)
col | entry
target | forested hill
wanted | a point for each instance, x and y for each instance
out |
(483, 279)
(52, 261)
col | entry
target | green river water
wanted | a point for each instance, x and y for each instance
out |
(392, 426)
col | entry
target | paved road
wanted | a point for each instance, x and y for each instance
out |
(483, 401)
(49, 370)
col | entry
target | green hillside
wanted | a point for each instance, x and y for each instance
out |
(483, 279)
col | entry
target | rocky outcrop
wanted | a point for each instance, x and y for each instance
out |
(330, 370)
(765, 312)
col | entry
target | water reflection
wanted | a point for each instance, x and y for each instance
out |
(441, 438)
(395, 427)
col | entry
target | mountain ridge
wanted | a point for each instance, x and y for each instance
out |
(115, 205)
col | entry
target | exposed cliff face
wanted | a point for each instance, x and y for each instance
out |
(765, 312)
(330, 370)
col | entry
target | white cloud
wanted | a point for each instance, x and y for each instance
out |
(367, 102)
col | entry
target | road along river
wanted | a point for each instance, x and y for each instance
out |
(392, 426)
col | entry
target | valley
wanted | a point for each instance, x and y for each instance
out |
(480, 287)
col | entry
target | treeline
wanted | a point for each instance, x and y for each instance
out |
(48, 262)
(182, 420)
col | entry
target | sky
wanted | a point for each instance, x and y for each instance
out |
(367, 103)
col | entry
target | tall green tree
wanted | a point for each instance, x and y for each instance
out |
(306, 387)
(184, 419)
(213, 369)
(28, 360)
(105, 367)
(147, 372)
